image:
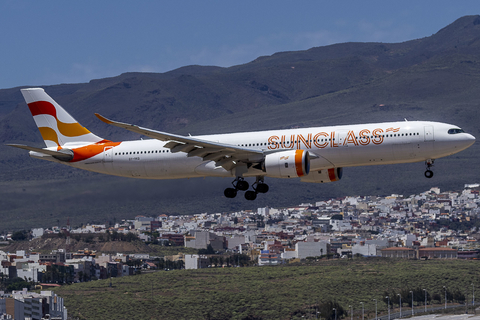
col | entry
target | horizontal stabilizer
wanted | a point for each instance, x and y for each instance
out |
(63, 155)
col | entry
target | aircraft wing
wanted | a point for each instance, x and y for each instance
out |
(225, 155)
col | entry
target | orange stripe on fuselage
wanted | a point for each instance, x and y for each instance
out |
(298, 162)
(84, 153)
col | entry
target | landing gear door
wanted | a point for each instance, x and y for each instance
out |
(108, 154)
(429, 133)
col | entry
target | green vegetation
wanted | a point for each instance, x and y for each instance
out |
(159, 250)
(20, 235)
(14, 284)
(285, 292)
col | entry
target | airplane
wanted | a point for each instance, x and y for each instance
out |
(316, 155)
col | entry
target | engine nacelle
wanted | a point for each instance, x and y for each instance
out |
(324, 176)
(287, 164)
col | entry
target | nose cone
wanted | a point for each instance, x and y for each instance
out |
(466, 141)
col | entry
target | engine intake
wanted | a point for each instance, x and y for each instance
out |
(287, 164)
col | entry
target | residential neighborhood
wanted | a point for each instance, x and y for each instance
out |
(430, 225)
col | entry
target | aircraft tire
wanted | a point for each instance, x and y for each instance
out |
(428, 174)
(242, 185)
(250, 195)
(262, 188)
(230, 193)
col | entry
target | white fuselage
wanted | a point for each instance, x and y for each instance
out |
(330, 147)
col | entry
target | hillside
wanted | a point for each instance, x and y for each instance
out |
(434, 78)
(281, 292)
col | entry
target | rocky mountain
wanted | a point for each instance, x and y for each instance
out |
(434, 78)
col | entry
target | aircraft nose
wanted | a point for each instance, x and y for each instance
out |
(468, 140)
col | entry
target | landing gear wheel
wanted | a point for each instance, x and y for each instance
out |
(250, 195)
(242, 185)
(262, 188)
(429, 165)
(428, 174)
(230, 193)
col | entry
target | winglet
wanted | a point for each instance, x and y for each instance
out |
(99, 116)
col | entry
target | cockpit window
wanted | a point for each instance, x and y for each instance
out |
(455, 131)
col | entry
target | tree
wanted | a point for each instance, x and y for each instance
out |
(17, 284)
(328, 309)
(131, 237)
(80, 276)
(114, 235)
(209, 250)
(19, 235)
(458, 296)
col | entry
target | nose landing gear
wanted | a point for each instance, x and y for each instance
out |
(429, 165)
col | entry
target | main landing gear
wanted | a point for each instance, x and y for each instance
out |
(240, 184)
(429, 165)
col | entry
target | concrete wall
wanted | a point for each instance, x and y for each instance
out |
(310, 249)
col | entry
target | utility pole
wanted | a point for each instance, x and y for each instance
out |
(445, 297)
(412, 302)
(388, 306)
(398, 294)
(425, 299)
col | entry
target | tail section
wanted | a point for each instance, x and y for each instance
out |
(57, 127)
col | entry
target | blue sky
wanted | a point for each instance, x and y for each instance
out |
(53, 42)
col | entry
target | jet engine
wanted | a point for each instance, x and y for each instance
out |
(324, 176)
(287, 164)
